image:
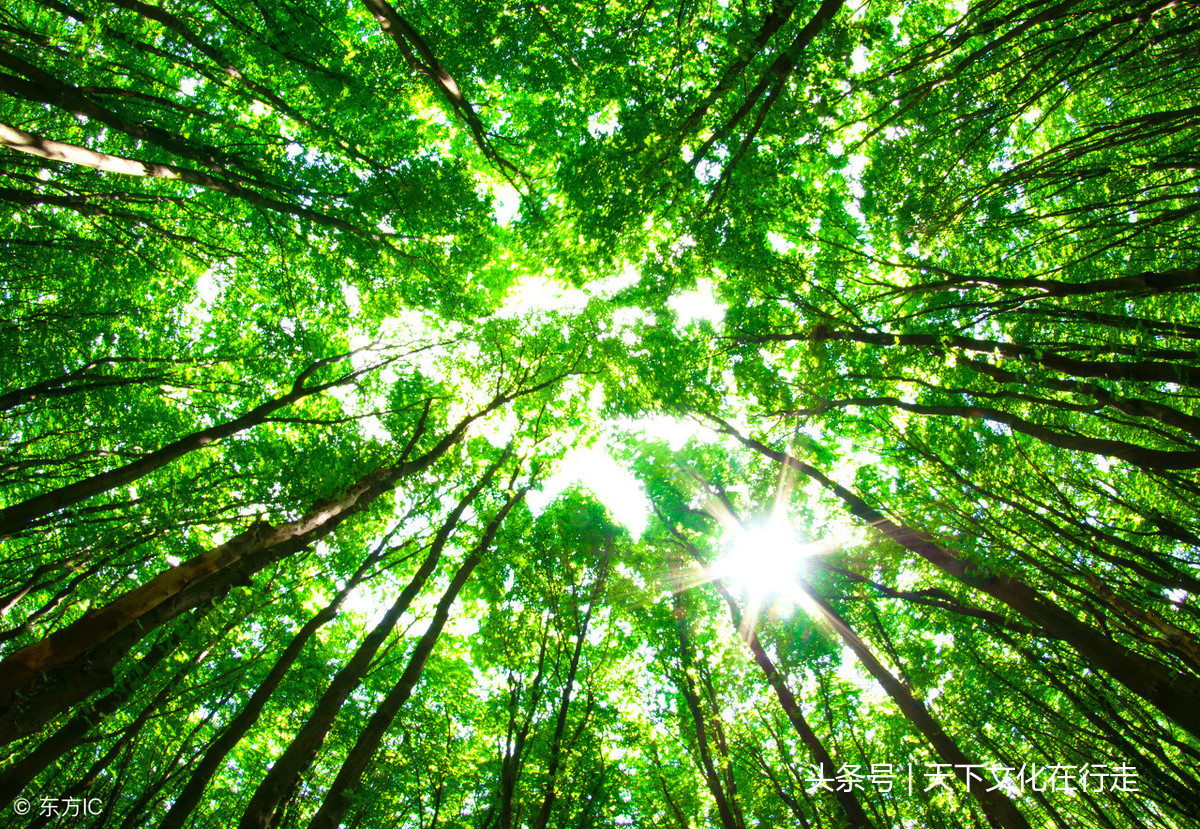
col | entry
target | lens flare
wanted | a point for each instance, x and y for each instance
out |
(764, 561)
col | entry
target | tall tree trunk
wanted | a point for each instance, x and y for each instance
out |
(19, 774)
(42, 147)
(1171, 692)
(185, 802)
(1000, 812)
(1128, 452)
(287, 770)
(18, 516)
(337, 799)
(699, 721)
(548, 797)
(126, 619)
(1141, 371)
(847, 802)
(513, 757)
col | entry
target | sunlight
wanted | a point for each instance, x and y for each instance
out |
(612, 484)
(764, 561)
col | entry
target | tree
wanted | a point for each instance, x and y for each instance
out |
(310, 311)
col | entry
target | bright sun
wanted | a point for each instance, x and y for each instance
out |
(764, 561)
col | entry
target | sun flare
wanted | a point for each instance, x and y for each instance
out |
(764, 561)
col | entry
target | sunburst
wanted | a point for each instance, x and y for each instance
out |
(764, 562)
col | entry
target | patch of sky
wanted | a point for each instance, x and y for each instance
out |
(208, 288)
(351, 297)
(534, 292)
(506, 202)
(603, 123)
(594, 469)
(778, 243)
(627, 277)
(708, 171)
(871, 692)
(701, 304)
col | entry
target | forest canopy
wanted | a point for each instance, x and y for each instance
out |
(740, 413)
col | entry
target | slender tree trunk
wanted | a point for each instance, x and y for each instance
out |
(420, 57)
(337, 799)
(543, 818)
(18, 775)
(128, 618)
(1128, 452)
(774, 21)
(42, 147)
(847, 802)
(1141, 371)
(1131, 406)
(287, 770)
(18, 516)
(704, 753)
(186, 801)
(1000, 812)
(1171, 692)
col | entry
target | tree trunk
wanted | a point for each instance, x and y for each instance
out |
(543, 818)
(18, 775)
(122, 621)
(337, 799)
(185, 802)
(1000, 812)
(286, 772)
(1171, 692)
(14, 518)
(847, 802)
(687, 687)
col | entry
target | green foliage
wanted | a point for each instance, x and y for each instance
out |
(911, 285)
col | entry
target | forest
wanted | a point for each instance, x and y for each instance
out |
(549, 414)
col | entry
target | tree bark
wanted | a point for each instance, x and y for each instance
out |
(1142, 371)
(543, 817)
(337, 799)
(186, 801)
(704, 753)
(286, 772)
(847, 803)
(41, 147)
(1000, 812)
(126, 619)
(1171, 692)
(16, 517)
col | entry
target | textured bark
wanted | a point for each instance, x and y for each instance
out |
(1128, 452)
(42, 147)
(1141, 371)
(337, 799)
(1171, 692)
(420, 57)
(286, 772)
(19, 774)
(126, 619)
(687, 687)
